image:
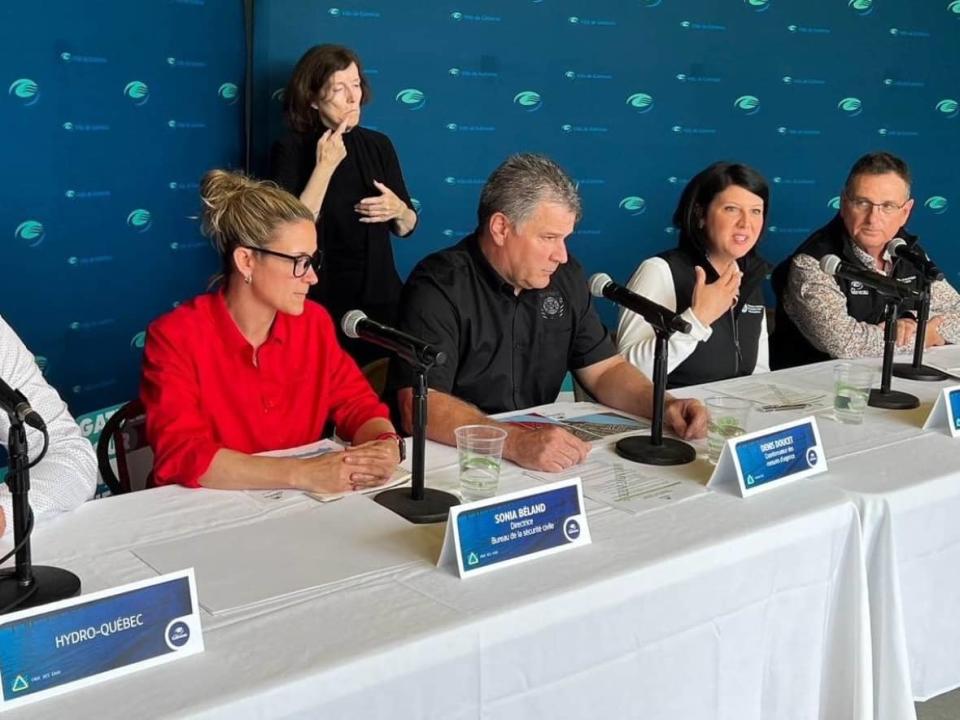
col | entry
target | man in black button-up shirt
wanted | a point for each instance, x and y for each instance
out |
(512, 311)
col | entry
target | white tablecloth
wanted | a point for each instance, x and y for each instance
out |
(710, 608)
(906, 484)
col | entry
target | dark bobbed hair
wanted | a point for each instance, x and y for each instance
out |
(699, 193)
(877, 163)
(309, 78)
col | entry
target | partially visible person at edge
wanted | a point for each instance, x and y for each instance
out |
(350, 178)
(511, 309)
(255, 366)
(712, 278)
(820, 316)
(67, 475)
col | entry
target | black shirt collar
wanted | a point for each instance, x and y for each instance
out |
(486, 270)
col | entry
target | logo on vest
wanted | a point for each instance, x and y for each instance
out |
(552, 306)
(857, 288)
(753, 309)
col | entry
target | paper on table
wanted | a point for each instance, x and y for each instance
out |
(315, 449)
(590, 427)
(265, 561)
(625, 486)
(770, 396)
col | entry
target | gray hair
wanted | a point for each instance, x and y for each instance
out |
(520, 183)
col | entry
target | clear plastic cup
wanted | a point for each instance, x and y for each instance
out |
(481, 450)
(851, 384)
(728, 419)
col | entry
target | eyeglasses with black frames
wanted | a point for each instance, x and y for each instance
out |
(301, 262)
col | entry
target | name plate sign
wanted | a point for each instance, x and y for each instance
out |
(946, 411)
(513, 528)
(770, 458)
(53, 649)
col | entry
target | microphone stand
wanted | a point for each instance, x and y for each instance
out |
(27, 585)
(656, 449)
(917, 370)
(885, 397)
(419, 504)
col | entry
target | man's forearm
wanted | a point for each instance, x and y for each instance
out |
(623, 387)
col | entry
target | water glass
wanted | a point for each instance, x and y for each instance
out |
(480, 448)
(852, 385)
(728, 419)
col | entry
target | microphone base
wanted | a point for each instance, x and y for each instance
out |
(923, 373)
(432, 508)
(640, 449)
(893, 400)
(49, 584)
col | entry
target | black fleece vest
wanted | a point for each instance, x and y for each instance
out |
(788, 346)
(731, 350)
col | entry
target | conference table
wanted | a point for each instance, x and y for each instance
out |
(830, 597)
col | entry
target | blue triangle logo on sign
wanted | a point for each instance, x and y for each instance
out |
(19, 684)
(472, 559)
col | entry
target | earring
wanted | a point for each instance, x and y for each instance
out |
(314, 106)
(248, 279)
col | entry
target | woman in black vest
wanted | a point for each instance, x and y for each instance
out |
(350, 178)
(712, 278)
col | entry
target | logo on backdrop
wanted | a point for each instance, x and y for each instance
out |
(641, 102)
(790, 80)
(898, 32)
(411, 98)
(757, 5)
(458, 16)
(948, 106)
(861, 7)
(25, 90)
(30, 232)
(137, 341)
(634, 204)
(180, 63)
(891, 82)
(278, 95)
(749, 104)
(137, 91)
(528, 100)
(140, 220)
(416, 204)
(937, 204)
(684, 78)
(464, 73)
(710, 27)
(834, 202)
(42, 362)
(850, 106)
(85, 59)
(808, 30)
(229, 93)
(954, 7)
(598, 22)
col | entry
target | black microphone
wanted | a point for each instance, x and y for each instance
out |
(898, 248)
(14, 403)
(888, 287)
(602, 285)
(356, 324)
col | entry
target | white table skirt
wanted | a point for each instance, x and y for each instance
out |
(711, 608)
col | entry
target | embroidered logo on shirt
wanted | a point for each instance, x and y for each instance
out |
(857, 288)
(552, 306)
(755, 309)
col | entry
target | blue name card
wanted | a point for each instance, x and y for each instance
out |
(946, 411)
(53, 649)
(770, 458)
(513, 528)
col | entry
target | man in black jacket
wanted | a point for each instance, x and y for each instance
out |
(820, 316)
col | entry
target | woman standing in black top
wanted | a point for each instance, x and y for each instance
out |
(351, 179)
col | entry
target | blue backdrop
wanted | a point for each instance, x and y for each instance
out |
(633, 98)
(113, 110)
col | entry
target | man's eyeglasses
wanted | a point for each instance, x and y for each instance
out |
(863, 205)
(301, 263)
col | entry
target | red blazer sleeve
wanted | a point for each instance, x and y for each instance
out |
(182, 440)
